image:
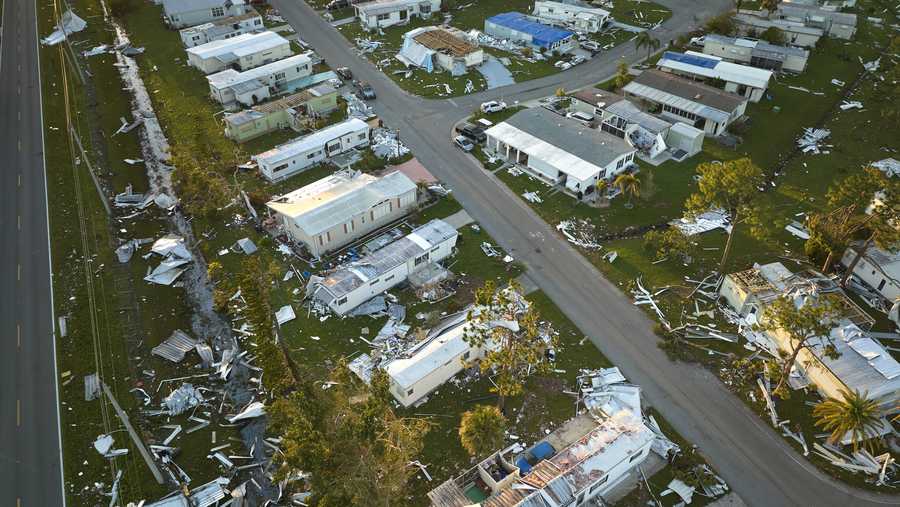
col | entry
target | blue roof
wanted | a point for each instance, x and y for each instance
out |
(541, 35)
(524, 466)
(695, 60)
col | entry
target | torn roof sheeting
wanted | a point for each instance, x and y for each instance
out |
(69, 23)
(175, 346)
(171, 244)
(863, 365)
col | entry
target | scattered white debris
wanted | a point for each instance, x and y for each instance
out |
(889, 166)
(532, 197)
(285, 314)
(705, 222)
(797, 229)
(811, 140)
(848, 104)
(253, 410)
(579, 233)
(69, 23)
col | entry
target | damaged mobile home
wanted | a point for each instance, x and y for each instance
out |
(574, 17)
(580, 462)
(860, 364)
(221, 29)
(304, 152)
(385, 13)
(183, 13)
(524, 31)
(355, 283)
(748, 82)
(756, 53)
(230, 87)
(342, 208)
(295, 111)
(438, 48)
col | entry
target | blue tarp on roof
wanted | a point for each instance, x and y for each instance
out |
(523, 465)
(543, 450)
(695, 60)
(541, 35)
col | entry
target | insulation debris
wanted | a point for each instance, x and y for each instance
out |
(182, 399)
(704, 222)
(386, 145)
(579, 233)
(532, 197)
(251, 411)
(889, 166)
(285, 314)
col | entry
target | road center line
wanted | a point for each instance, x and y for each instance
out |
(18, 412)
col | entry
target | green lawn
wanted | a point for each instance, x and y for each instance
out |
(639, 12)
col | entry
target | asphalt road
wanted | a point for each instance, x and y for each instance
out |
(30, 463)
(756, 462)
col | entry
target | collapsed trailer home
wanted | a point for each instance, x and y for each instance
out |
(304, 152)
(294, 111)
(840, 25)
(521, 29)
(385, 13)
(431, 47)
(230, 87)
(575, 17)
(339, 209)
(243, 52)
(356, 282)
(578, 464)
(862, 363)
(221, 29)
(742, 80)
(559, 151)
(878, 270)
(182, 13)
(756, 53)
(702, 106)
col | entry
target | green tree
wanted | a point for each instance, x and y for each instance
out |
(800, 324)
(622, 76)
(481, 430)
(731, 186)
(628, 184)
(774, 35)
(723, 24)
(769, 5)
(669, 242)
(875, 203)
(506, 325)
(645, 40)
(348, 438)
(854, 414)
(560, 92)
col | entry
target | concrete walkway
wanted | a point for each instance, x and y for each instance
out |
(459, 219)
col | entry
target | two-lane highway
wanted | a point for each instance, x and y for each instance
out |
(30, 458)
(756, 462)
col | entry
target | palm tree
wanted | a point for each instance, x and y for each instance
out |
(855, 414)
(645, 40)
(481, 429)
(601, 186)
(629, 184)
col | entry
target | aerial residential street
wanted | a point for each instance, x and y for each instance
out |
(30, 470)
(755, 461)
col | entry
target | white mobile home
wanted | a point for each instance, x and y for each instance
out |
(384, 13)
(841, 25)
(295, 156)
(342, 208)
(250, 87)
(742, 80)
(558, 150)
(356, 282)
(183, 13)
(224, 28)
(576, 17)
(797, 34)
(243, 52)
(697, 104)
(756, 53)
(878, 269)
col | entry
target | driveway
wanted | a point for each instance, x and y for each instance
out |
(756, 462)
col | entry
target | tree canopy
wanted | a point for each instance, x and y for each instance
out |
(481, 430)
(853, 415)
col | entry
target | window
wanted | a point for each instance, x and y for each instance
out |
(280, 168)
(280, 75)
(409, 393)
(257, 22)
(374, 282)
(383, 17)
(425, 9)
(599, 483)
(345, 229)
(635, 457)
(342, 301)
(321, 241)
(421, 259)
(361, 136)
(620, 163)
(218, 12)
(388, 278)
(328, 236)
(467, 354)
(334, 147)
(311, 155)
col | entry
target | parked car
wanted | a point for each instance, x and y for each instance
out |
(578, 60)
(334, 5)
(474, 133)
(562, 65)
(344, 73)
(493, 106)
(464, 143)
(590, 45)
(365, 89)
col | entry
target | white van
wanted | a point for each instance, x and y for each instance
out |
(585, 119)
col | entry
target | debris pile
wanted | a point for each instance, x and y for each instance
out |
(811, 141)
(385, 144)
(69, 23)
(175, 255)
(579, 232)
(704, 222)
(357, 108)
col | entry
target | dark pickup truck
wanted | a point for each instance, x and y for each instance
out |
(365, 89)
(472, 132)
